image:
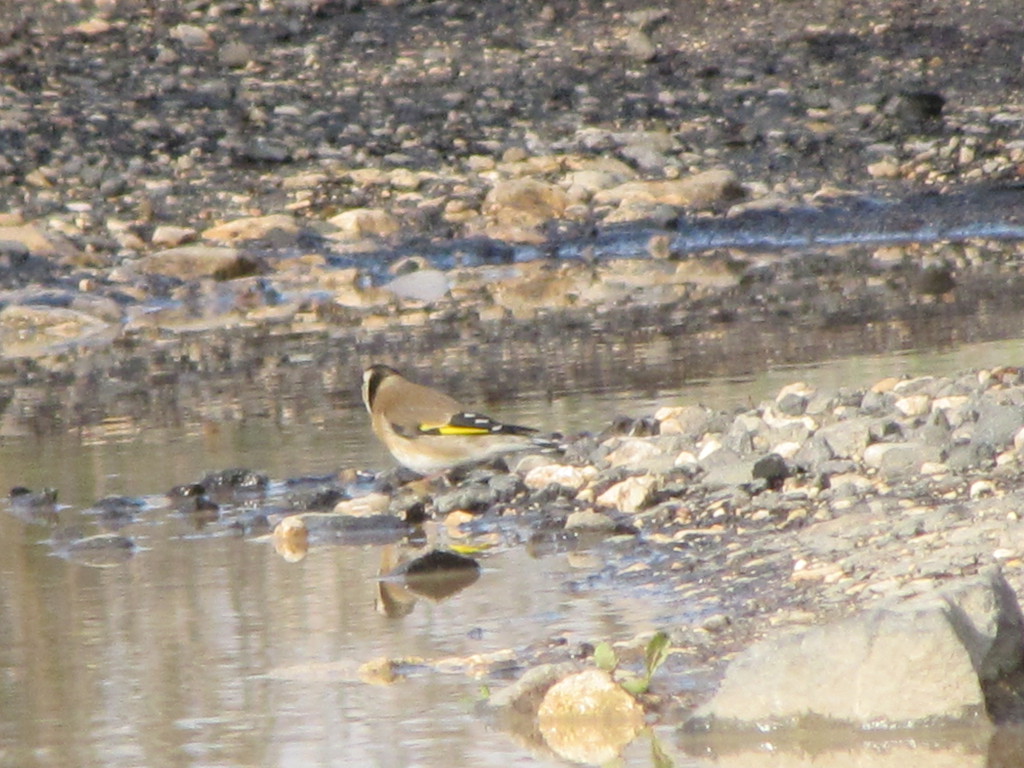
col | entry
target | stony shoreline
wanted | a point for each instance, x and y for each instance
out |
(807, 509)
(226, 184)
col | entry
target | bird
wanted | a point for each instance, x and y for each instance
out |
(429, 432)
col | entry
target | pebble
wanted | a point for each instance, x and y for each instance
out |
(426, 285)
(253, 228)
(543, 476)
(631, 495)
(589, 520)
(168, 236)
(364, 222)
(192, 36)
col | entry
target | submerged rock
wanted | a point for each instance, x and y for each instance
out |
(237, 479)
(101, 550)
(34, 506)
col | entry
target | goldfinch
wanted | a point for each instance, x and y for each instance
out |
(428, 431)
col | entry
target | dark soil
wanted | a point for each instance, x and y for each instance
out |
(769, 89)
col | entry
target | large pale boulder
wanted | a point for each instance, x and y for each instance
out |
(931, 659)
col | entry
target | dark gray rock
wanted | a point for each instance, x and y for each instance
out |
(772, 469)
(846, 439)
(997, 424)
(813, 453)
(877, 402)
(725, 467)
(792, 403)
(475, 497)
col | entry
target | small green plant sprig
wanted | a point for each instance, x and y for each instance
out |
(654, 656)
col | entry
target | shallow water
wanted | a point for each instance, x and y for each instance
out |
(206, 648)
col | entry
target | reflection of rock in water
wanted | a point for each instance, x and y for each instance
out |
(393, 599)
(675, 325)
(102, 550)
(291, 539)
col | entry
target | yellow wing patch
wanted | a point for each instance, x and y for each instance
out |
(452, 431)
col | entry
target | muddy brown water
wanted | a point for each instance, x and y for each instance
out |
(210, 649)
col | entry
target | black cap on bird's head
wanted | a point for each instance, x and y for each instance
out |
(372, 378)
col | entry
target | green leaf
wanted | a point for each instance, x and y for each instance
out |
(658, 650)
(658, 757)
(635, 685)
(605, 658)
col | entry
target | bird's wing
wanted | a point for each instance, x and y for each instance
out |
(468, 424)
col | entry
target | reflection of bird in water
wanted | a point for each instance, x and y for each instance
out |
(429, 432)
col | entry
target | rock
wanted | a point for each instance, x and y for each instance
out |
(101, 550)
(724, 467)
(169, 236)
(589, 520)
(581, 185)
(884, 169)
(587, 718)
(31, 330)
(997, 424)
(926, 660)
(772, 469)
(792, 399)
(846, 439)
(640, 454)
(690, 421)
(915, 107)
(37, 242)
(914, 405)
(1018, 440)
(469, 497)
(190, 262)
(743, 432)
(364, 222)
(254, 228)
(235, 54)
(92, 27)
(540, 477)
(191, 36)
(235, 480)
(262, 150)
(639, 46)
(352, 529)
(900, 458)
(426, 285)
(524, 202)
(524, 696)
(363, 506)
(117, 509)
(632, 494)
(699, 191)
